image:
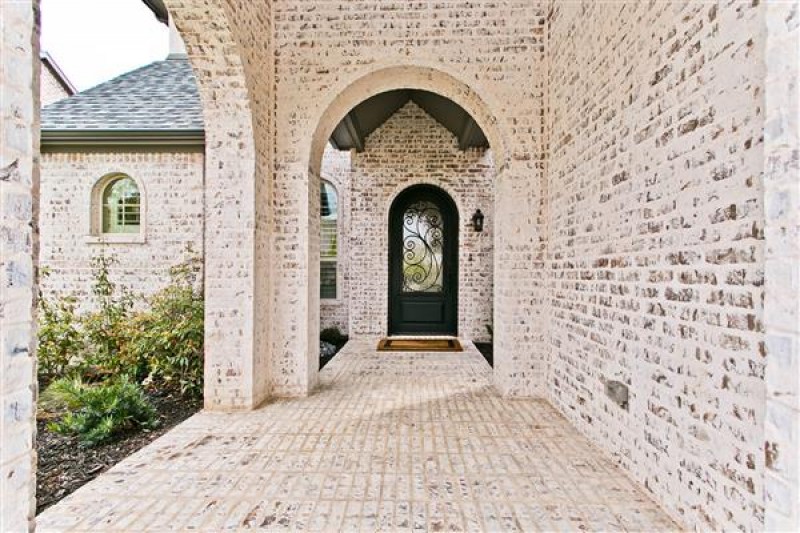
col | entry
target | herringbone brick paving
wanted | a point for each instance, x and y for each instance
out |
(391, 441)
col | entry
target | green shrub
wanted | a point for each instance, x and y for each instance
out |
(333, 336)
(169, 335)
(161, 345)
(107, 329)
(61, 343)
(100, 412)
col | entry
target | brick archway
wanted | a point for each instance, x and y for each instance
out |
(407, 77)
(261, 189)
(349, 94)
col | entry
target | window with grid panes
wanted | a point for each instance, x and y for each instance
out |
(121, 206)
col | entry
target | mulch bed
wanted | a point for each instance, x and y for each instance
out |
(64, 465)
(487, 350)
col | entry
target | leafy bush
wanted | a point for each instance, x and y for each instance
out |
(161, 345)
(169, 335)
(60, 340)
(97, 413)
(107, 330)
(333, 336)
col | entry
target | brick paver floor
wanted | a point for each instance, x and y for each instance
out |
(412, 441)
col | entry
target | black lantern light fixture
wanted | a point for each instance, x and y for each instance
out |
(477, 221)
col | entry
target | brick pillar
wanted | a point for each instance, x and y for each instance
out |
(782, 270)
(237, 192)
(19, 147)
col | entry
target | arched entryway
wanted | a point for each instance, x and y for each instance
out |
(423, 263)
(409, 91)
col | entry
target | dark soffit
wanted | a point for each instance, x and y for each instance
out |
(368, 116)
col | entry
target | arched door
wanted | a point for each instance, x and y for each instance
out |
(423, 263)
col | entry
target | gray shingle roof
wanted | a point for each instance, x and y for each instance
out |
(161, 96)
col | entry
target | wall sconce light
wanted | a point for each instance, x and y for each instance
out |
(477, 221)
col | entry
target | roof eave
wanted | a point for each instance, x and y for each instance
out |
(57, 73)
(53, 138)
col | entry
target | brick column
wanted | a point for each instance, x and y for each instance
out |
(19, 147)
(782, 270)
(228, 47)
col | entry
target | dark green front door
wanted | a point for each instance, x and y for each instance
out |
(423, 263)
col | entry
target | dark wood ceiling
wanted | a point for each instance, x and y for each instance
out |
(367, 116)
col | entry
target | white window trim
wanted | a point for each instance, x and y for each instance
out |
(96, 235)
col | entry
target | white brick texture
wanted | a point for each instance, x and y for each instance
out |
(782, 267)
(19, 181)
(409, 148)
(656, 245)
(51, 89)
(172, 231)
(231, 53)
(644, 179)
(378, 46)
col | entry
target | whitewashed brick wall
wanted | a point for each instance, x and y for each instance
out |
(230, 50)
(640, 257)
(19, 182)
(630, 228)
(656, 245)
(782, 266)
(330, 56)
(172, 192)
(252, 24)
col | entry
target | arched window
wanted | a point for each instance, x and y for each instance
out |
(121, 206)
(328, 250)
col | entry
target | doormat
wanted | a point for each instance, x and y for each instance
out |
(419, 345)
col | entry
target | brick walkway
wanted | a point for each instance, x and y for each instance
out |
(391, 442)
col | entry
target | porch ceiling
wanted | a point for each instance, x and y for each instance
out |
(367, 116)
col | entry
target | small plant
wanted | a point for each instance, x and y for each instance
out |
(169, 335)
(161, 344)
(60, 339)
(490, 329)
(107, 328)
(333, 336)
(98, 413)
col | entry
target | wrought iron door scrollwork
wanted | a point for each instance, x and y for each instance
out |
(423, 245)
